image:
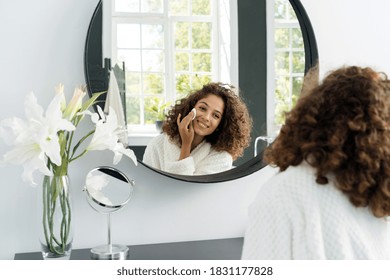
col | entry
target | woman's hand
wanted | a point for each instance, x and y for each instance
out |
(186, 130)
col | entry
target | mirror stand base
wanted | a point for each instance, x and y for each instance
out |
(110, 252)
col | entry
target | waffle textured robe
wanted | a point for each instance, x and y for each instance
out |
(293, 217)
(163, 154)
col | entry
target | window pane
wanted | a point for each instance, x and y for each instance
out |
(201, 62)
(132, 59)
(283, 89)
(182, 61)
(153, 60)
(178, 7)
(201, 7)
(129, 6)
(281, 38)
(280, 9)
(282, 97)
(133, 82)
(182, 84)
(152, 6)
(128, 35)
(181, 35)
(298, 62)
(297, 40)
(199, 80)
(282, 63)
(153, 84)
(201, 35)
(289, 59)
(290, 12)
(150, 103)
(152, 36)
(296, 87)
(133, 110)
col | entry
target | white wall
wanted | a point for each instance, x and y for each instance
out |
(42, 44)
(351, 32)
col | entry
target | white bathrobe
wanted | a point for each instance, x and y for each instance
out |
(163, 154)
(293, 217)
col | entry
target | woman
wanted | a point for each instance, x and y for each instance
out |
(331, 198)
(205, 140)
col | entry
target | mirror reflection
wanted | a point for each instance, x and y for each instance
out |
(203, 133)
(163, 50)
(108, 189)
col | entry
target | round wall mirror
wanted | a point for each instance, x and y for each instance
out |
(254, 75)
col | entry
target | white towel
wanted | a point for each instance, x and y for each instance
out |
(114, 101)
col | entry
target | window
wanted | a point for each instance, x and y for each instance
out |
(168, 48)
(286, 61)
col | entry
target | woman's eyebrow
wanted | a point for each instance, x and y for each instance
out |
(205, 103)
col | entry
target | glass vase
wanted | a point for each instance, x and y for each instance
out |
(55, 218)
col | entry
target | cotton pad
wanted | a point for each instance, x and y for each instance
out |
(193, 110)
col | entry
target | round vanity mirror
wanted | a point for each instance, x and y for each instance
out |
(256, 77)
(108, 190)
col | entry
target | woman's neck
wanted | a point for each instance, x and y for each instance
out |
(197, 140)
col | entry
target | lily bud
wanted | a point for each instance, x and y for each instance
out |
(59, 89)
(75, 103)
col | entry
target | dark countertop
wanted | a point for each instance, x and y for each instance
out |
(216, 249)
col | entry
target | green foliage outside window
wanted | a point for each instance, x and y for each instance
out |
(146, 86)
(192, 58)
(289, 59)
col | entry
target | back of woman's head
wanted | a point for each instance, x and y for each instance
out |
(341, 127)
(233, 132)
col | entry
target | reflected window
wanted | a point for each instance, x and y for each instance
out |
(168, 49)
(287, 62)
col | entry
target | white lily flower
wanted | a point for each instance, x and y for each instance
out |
(59, 89)
(47, 127)
(120, 150)
(36, 139)
(42, 142)
(107, 134)
(11, 128)
(26, 151)
(31, 156)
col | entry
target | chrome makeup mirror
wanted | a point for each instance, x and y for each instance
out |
(252, 65)
(107, 191)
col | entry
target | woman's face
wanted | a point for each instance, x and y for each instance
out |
(209, 112)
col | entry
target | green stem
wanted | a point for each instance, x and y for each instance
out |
(77, 146)
(53, 190)
(69, 217)
(44, 195)
(79, 156)
(69, 141)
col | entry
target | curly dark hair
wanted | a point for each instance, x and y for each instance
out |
(233, 132)
(341, 127)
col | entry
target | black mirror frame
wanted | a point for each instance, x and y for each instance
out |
(247, 168)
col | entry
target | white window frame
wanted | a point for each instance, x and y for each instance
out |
(272, 127)
(225, 67)
(225, 45)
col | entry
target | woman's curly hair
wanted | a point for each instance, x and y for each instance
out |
(341, 127)
(233, 132)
